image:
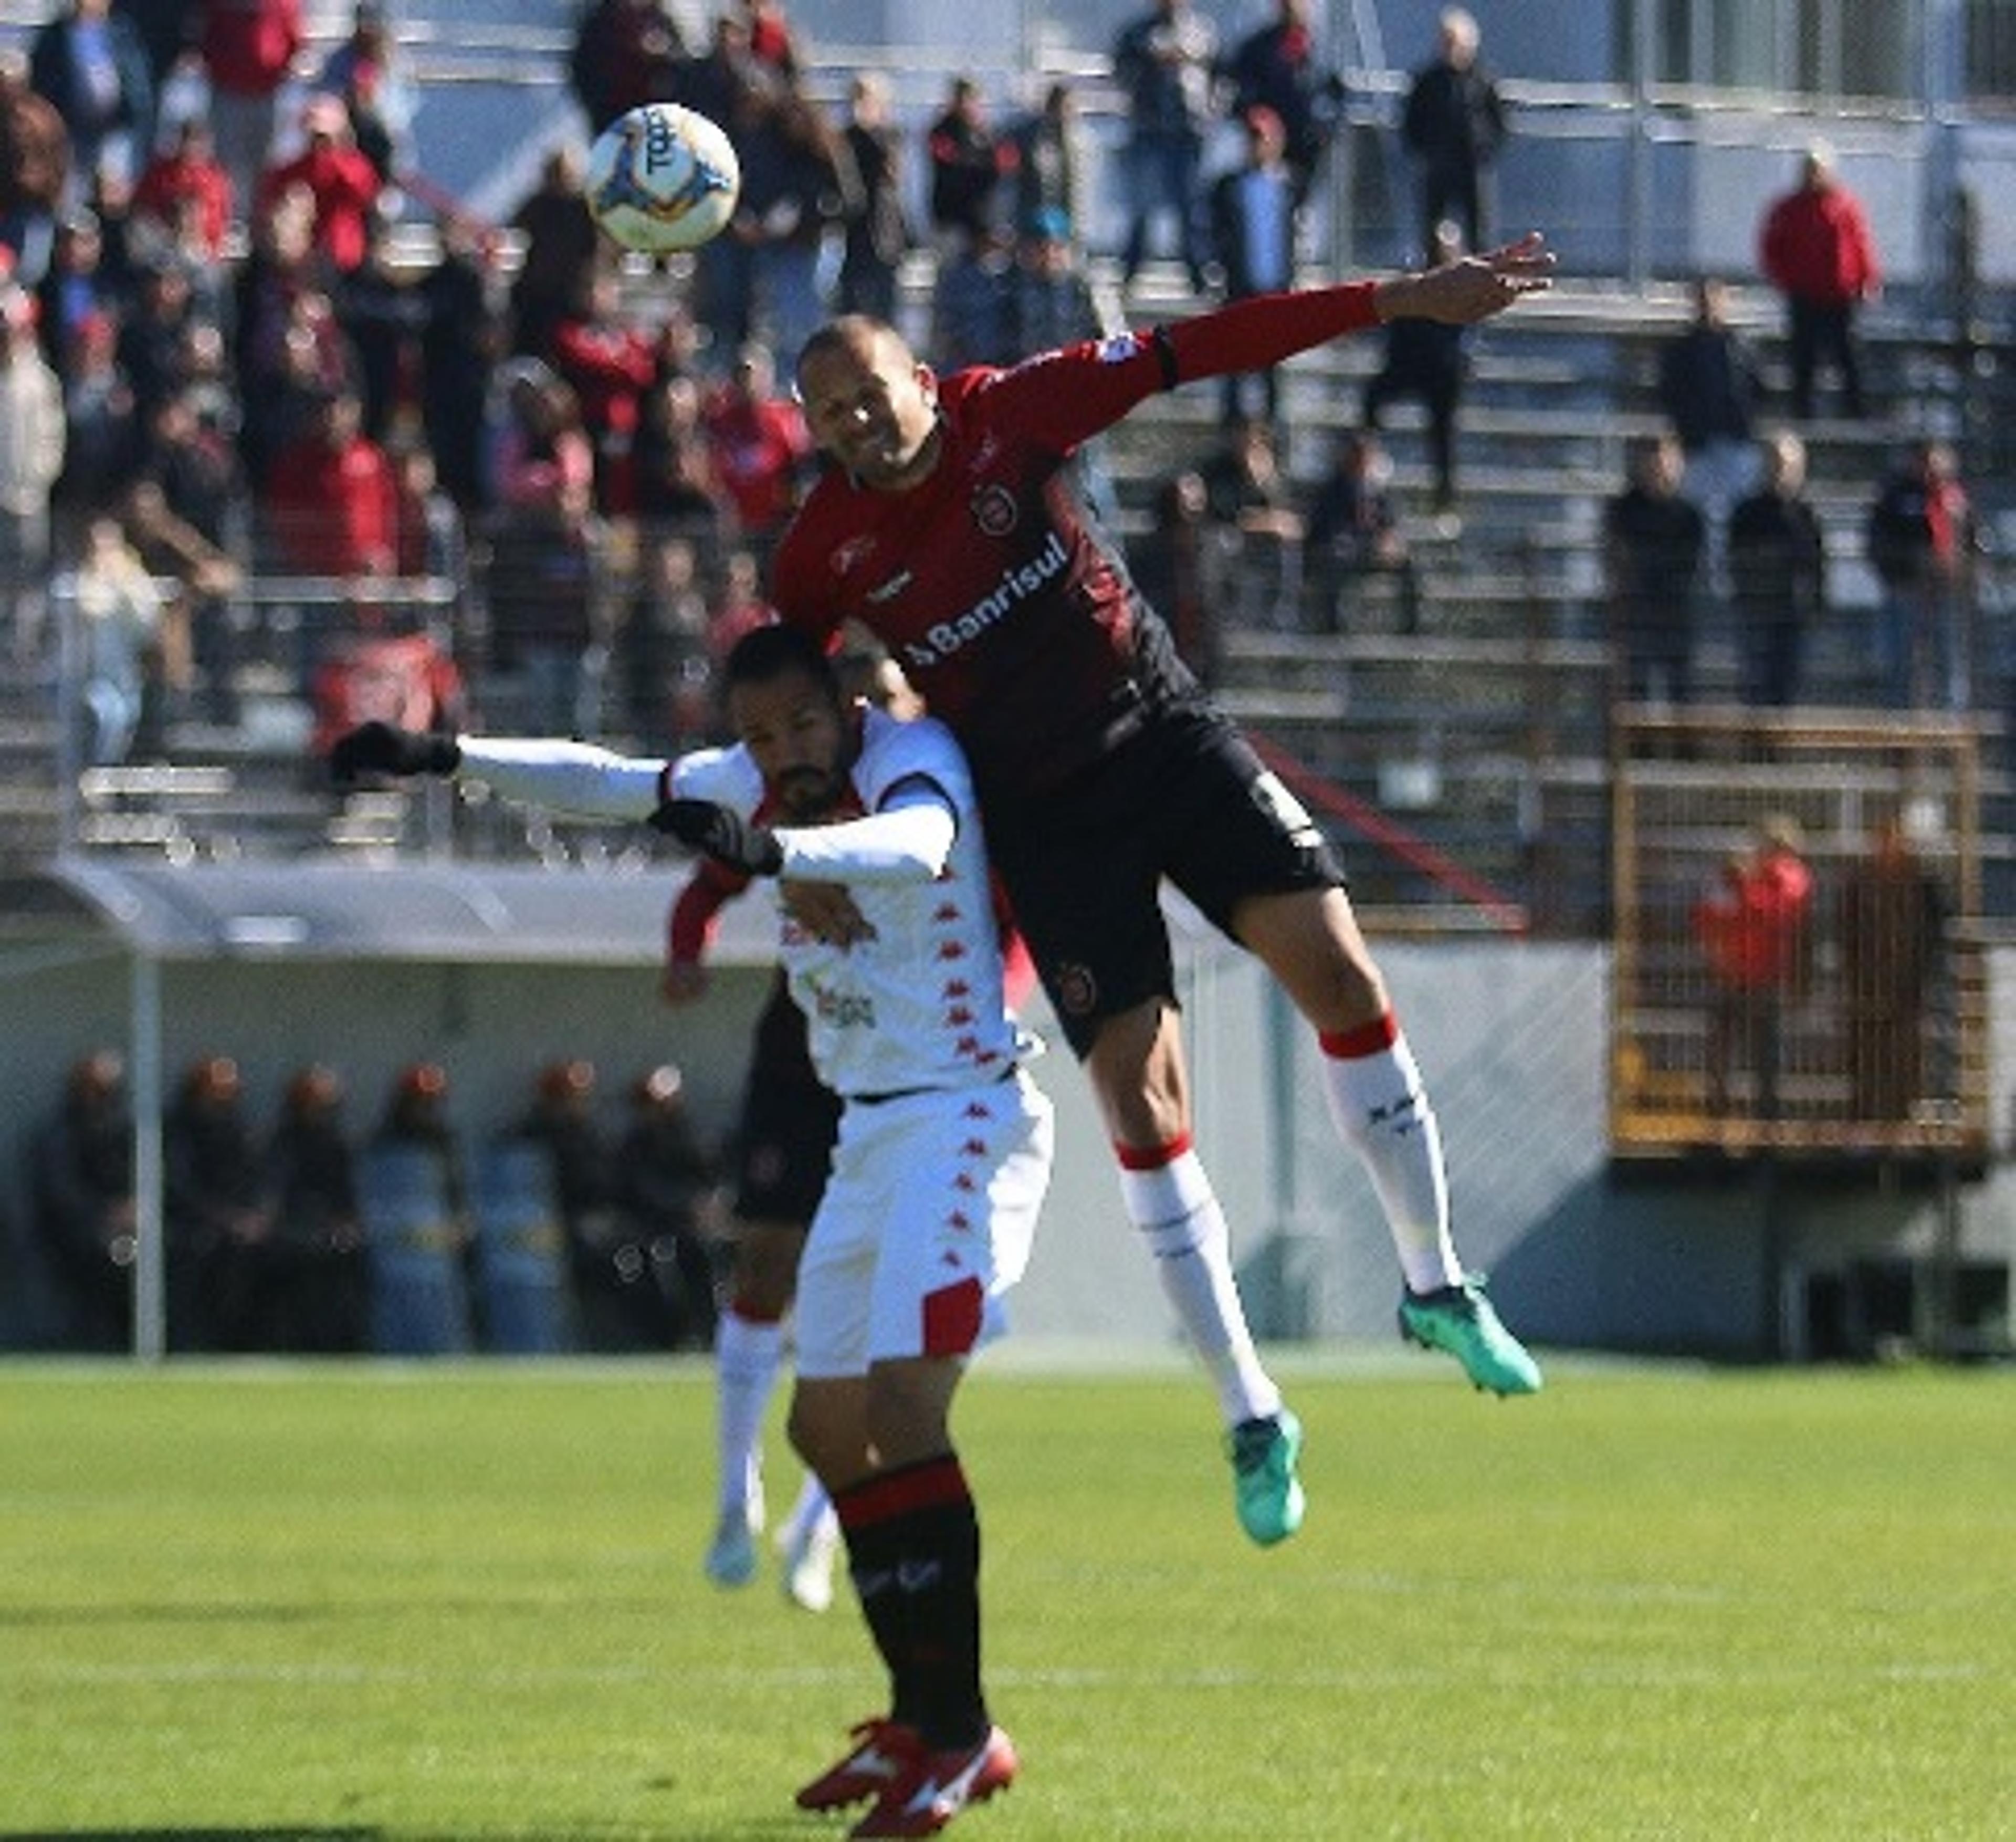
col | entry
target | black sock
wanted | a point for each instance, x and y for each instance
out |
(913, 1544)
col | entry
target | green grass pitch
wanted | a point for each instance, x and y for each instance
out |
(431, 1604)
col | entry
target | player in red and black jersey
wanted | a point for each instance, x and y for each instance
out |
(947, 528)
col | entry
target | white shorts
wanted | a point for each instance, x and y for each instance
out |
(927, 1219)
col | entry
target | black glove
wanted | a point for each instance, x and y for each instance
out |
(724, 835)
(381, 748)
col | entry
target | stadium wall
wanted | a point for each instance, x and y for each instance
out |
(1511, 1037)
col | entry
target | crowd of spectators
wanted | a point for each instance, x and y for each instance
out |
(288, 1235)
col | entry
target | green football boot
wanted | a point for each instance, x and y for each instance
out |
(1459, 1319)
(1265, 1486)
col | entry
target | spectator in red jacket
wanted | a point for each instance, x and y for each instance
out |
(1752, 929)
(760, 446)
(343, 183)
(185, 183)
(248, 48)
(332, 500)
(1816, 251)
(611, 366)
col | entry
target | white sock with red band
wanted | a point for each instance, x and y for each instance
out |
(1381, 1111)
(747, 1352)
(1169, 1198)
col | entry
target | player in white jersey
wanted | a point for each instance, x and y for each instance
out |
(943, 1157)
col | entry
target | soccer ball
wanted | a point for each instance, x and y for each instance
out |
(662, 177)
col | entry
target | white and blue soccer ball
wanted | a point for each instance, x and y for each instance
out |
(662, 177)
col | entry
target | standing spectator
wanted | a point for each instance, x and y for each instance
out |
(248, 48)
(320, 1285)
(662, 656)
(1253, 227)
(119, 648)
(217, 1221)
(434, 541)
(31, 458)
(680, 490)
(1777, 573)
(795, 177)
(1890, 924)
(878, 228)
(1049, 164)
(1277, 67)
(80, 1191)
(739, 605)
(1920, 539)
(366, 75)
(102, 429)
(773, 47)
(1427, 360)
(1354, 533)
(664, 1181)
(1816, 251)
(89, 63)
(83, 278)
(968, 162)
(1163, 62)
(1653, 540)
(1453, 124)
(1708, 388)
(330, 503)
(544, 551)
(463, 334)
(1752, 929)
(35, 170)
(761, 447)
(1176, 565)
(342, 184)
(1050, 302)
(381, 314)
(185, 180)
(625, 53)
(610, 364)
(560, 244)
(1253, 502)
(973, 303)
(607, 1275)
(153, 335)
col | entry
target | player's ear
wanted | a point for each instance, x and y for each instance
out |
(927, 382)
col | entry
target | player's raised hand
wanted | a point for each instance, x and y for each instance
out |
(383, 748)
(723, 834)
(1471, 288)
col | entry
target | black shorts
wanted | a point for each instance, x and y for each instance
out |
(784, 1140)
(1185, 798)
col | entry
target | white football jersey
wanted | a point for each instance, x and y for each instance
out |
(921, 1005)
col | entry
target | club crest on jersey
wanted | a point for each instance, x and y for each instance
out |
(994, 511)
(850, 553)
(1076, 990)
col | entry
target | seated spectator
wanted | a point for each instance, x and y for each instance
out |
(121, 648)
(432, 540)
(1050, 302)
(81, 280)
(81, 1194)
(1252, 501)
(185, 183)
(1354, 533)
(319, 1287)
(342, 184)
(153, 336)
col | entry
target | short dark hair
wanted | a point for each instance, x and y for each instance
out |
(769, 653)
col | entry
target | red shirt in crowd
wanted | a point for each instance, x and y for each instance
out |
(1817, 248)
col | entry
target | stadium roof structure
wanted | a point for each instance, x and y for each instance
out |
(446, 912)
